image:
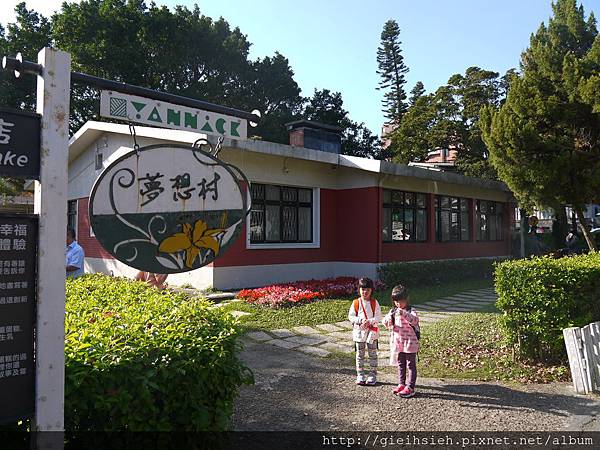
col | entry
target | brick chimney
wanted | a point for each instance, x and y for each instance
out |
(315, 135)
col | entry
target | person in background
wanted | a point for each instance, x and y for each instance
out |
(75, 256)
(572, 242)
(156, 280)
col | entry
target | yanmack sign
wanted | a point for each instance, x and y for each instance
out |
(119, 106)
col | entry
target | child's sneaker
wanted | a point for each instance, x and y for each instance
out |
(371, 380)
(398, 389)
(407, 392)
(360, 380)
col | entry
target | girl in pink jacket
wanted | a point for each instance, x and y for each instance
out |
(404, 341)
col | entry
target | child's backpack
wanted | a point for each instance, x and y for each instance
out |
(356, 305)
(416, 329)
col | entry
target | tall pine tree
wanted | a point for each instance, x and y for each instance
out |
(417, 92)
(545, 139)
(391, 70)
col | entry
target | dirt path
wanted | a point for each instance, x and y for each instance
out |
(294, 391)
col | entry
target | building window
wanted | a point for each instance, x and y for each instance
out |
(72, 214)
(281, 214)
(489, 221)
(404, 216)
(452, 219)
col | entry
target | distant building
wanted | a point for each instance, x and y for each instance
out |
(386, 129)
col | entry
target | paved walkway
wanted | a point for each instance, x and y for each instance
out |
(322, 340)
(294, 390)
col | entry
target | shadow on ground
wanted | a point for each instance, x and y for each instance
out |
(294, 391)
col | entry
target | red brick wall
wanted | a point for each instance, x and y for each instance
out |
(239, 255)
(350, 231)
(297, 138)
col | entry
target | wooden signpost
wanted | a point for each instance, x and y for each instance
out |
(160, 209)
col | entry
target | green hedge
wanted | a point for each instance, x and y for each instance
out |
(421, 273)
(541, 296)
(140, 359)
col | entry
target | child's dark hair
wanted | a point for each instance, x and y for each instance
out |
(365, 283)
(399, 293)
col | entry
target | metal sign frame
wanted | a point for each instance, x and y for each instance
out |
(54, 77)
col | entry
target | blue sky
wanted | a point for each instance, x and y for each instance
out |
(333, 43)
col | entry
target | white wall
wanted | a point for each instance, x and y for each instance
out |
(261, 275)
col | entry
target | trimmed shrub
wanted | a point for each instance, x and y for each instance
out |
(141, 359)
(420, 273)
(541, 296)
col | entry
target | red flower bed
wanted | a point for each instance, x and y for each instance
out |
(301, 292)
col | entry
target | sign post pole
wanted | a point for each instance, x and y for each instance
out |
(53, 95)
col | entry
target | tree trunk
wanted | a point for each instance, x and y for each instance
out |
(584, 227)
(523, 230)
(560, 227)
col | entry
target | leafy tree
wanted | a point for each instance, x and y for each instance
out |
(410, 140)
(28, 34)
(416, 93)
(358, 140)
(179, 51)
(270, 87)
(449, 119)
(328, 107)
(476, 89)
(544, 140)
(391, 70)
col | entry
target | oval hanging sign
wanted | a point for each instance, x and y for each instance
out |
(168, 208)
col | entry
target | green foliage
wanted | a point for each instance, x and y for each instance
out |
(180, 52)
(541, 296)
(328, 107)
(11, 186)
(544, 140)
(449, 119)
(391, 69)
(426, 273)
(28, 34)
(141, 359)
(473, 346)
(416, 92)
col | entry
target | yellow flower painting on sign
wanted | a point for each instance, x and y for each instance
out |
(191, 240)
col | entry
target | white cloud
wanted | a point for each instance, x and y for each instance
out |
(45, 7)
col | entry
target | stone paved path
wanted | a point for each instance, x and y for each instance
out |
(324, 339)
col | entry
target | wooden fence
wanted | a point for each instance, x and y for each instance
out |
(583, 348)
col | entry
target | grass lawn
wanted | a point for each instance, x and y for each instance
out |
(336, 310)
(466, 346)
(470, 346)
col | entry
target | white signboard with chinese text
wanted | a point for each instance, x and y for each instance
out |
(168, 208)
